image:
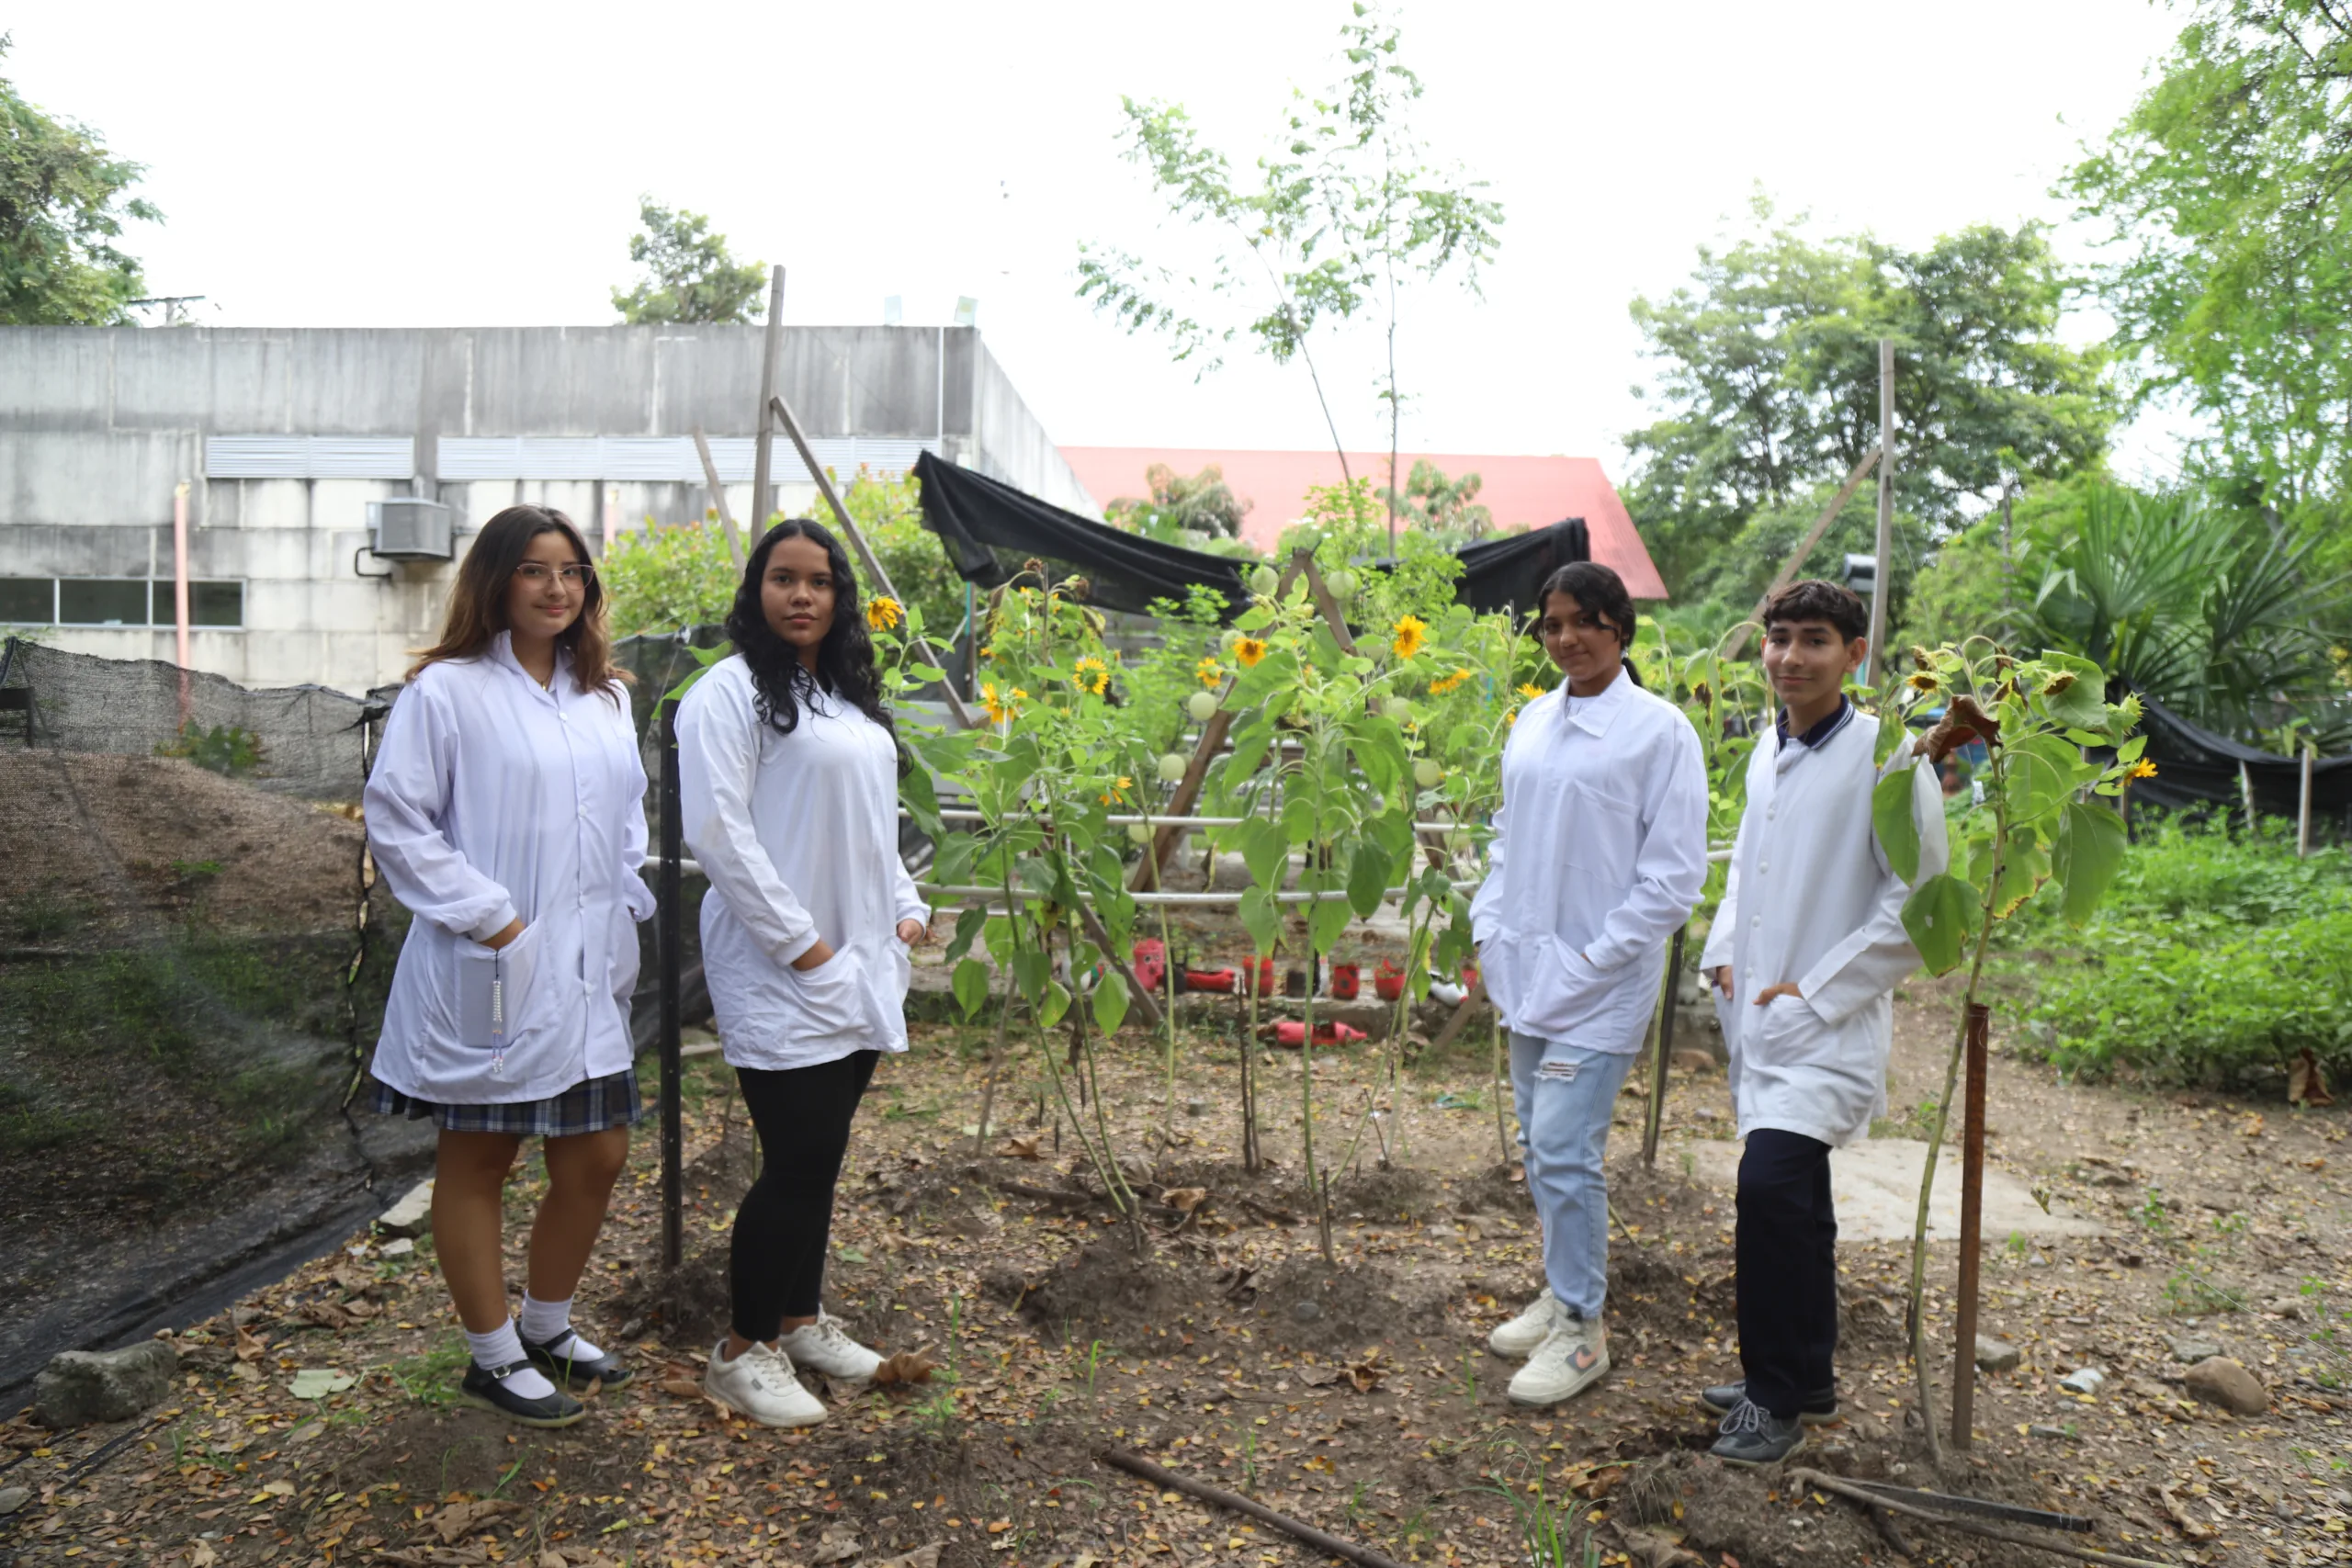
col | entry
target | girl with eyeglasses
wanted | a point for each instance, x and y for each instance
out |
(505, 809)
(788, 772)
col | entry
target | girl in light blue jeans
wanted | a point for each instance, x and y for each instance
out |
(1600, 851)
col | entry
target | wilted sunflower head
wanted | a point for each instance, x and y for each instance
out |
(1924, 679)
(883, 614)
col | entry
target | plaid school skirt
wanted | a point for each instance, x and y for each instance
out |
(592, 1105)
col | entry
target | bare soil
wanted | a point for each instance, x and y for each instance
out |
(1377, 1415)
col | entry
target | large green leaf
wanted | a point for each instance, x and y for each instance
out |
(1031, 971)
(2042, 770)
(1111, 1001)
(1898, 828)
(917, 793)
(1261, 918)
(1265, 850)
(1053, 1004)
(2080, 698)
(2090, 850)
(2025, 866)
(1329, 918)
(971, 983)
(1367, 877)
(1940, 917)
(1298, 817)
(970, 923)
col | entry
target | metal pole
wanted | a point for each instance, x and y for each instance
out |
(2303, 808)
(1972, 1230)
(179, 591)
(763, 493)
(2245, 793)
(666, 933)
(1883, 574)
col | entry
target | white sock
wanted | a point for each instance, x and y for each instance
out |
(502, 1347)
(544, 1322)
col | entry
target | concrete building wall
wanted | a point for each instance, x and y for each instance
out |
(98, 426)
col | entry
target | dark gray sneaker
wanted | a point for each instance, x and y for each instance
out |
(1753, 1436)
(1817, 1409)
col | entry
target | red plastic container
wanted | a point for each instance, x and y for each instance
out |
(1388, 981)
(1346, 981)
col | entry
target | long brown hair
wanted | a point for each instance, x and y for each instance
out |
(478, 602)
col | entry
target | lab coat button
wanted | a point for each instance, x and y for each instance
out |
(1755, 919)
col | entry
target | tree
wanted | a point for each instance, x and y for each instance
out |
(2227, 193)
(1203, 504)
(690, 275)
(1435, 503)
(61, 208)
(1769, 378)
(1340, 215)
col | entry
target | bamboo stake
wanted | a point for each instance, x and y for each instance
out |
(718, 499)
(1819, 1482)
(1788, 572)
(1169, 1481)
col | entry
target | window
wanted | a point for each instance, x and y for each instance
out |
(28, 600)
(116, 602)
(101, 601)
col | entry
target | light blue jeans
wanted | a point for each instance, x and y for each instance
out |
(1564, 1097)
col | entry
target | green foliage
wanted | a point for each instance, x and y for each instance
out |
(689, 277)
(2226, 196)
(1438, 505)
(2202, 608)
(224, 748)
(1768, 379)
(1967, 587)
(1180, 510)
(62, 209)
(668, 579)
(2215, 959)
(1341, 213)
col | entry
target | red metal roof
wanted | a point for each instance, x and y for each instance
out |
(1522, 491)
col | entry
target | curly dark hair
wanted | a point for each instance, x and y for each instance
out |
(844, 660)
(1813, 599)
(1601, 593)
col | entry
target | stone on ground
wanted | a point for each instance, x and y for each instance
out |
(13, 1498)
(78, 1387)
(1997, 1355)
(412, 1215)
(2191, 1349)
(2217, 1380)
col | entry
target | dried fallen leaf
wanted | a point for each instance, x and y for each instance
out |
(682, 1388)
(458, 1520)
(1657, 1551)
(2306, 1085)
(906, 1367)
(1184, 1198)
(249, 1345)
(203, 1556)
(2191, 1526)
(838, 1545)
(1367, 1374)
(1022, 1149)
(921, 1557)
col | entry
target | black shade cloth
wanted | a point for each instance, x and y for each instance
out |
(2194, 767)
(974, 516)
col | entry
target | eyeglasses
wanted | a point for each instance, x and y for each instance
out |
(536, 573)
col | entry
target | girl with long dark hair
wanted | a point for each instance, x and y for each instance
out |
(505, 807)
(1599, 852)
(788, 766)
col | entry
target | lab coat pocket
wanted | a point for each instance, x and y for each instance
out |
(1786, 1029)
(830, 999)
(626, 956)
(1602, 835)
(494, 988)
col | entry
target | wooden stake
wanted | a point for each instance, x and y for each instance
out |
(718, 499)
(1662, 1032)
(1883, 575)
(1169, 1481)
(1788, 572)
(763, 493)
(1972, 1231)
(1817, 1480)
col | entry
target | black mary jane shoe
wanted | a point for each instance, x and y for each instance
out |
(555, 1358)
(483, 1388)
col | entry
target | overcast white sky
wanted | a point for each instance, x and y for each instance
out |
(480, 164)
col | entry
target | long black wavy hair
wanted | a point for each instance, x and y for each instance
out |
(844, 660)
(1599, 593)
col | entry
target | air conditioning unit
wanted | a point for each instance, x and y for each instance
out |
(1862, 574)
(411, 528)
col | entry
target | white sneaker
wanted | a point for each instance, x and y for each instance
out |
(759, 1383)
(825, 1346)
(1519, 1339)
(1573, 1357)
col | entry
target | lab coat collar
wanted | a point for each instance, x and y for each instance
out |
(502, 651)
(1594, 714)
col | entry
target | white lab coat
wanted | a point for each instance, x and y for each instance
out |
(494, 797)
(1600, 853)
(798, 834)
(1811, 900)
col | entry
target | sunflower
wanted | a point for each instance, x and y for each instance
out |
(1091, 675)
(1511, 719)
(2142, 769)
(1530, 690)
(1445, 683)
(883, 614)
(1249, 649)
(1412, 633)
(1924, 681)
(1211, 672)
(1000, 708)
(1117, 793)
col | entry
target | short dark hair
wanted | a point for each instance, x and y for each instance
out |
(1813, 599)
(1598, 591)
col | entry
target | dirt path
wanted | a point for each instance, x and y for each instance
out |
(1358, 1398)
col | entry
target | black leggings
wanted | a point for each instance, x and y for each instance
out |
(776, 1256)
(1786, 1256)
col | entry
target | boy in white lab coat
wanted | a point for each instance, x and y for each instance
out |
(1805, 954)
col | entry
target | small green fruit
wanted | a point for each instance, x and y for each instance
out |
(1342, 584)
(1428, 775)
(1172, 766)
(1263, 581)
(1201, 704)
(1396, 710)
(1139, 833)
